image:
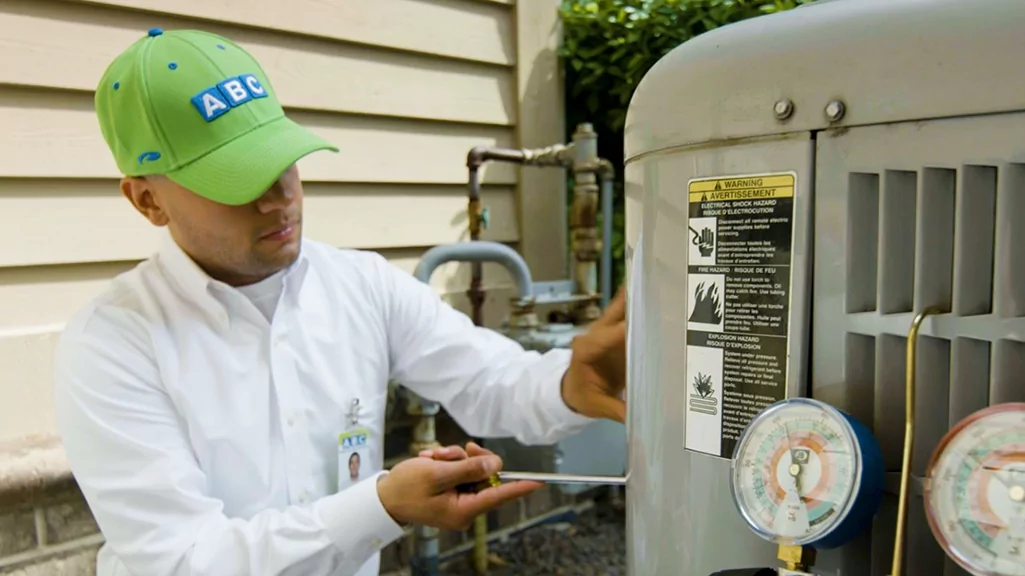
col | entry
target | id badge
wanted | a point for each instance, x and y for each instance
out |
(353, 457)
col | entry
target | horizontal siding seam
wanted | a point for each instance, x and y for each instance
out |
(507, 63)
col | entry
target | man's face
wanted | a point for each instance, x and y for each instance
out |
(237, 245)
(354, 466)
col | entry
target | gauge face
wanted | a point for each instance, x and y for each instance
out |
(795, 471)
(975, 492)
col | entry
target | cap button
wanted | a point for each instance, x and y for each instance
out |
(155, 32)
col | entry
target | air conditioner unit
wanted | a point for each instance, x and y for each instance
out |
(807, 194)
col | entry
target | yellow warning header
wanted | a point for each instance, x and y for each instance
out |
(743, 188)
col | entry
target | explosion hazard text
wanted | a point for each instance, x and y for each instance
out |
(739, 274)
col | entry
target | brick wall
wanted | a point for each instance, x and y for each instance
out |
(52, 536)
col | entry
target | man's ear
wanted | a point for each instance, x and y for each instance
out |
(141, 192)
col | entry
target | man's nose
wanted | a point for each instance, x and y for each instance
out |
(277, 197)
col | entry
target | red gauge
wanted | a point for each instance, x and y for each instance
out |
(975, 492)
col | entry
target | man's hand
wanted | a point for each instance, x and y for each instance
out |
(594, 383)
(422, 490)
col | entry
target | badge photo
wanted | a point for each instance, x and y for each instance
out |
(353, 457)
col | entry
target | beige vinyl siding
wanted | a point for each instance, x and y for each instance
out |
(404, 87)
(66, 221)
(476, 30)
(307, 73)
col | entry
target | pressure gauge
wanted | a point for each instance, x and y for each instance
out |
(975, 492)
(806, 474)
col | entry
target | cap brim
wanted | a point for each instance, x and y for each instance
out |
(244, 169)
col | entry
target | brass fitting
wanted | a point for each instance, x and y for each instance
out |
(796, 557)
(474, 487)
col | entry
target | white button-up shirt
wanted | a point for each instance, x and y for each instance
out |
(205, 437)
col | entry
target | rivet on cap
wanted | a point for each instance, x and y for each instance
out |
(117, 85)
(172, 65)
(155, 32)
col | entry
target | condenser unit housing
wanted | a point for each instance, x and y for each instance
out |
(799, 186)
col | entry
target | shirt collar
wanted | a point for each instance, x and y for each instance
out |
(199, 287)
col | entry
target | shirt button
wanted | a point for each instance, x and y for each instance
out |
(376, 543)
(302, 496)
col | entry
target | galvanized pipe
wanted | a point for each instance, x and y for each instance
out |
(552, 156)
(586, 244)
(606, 176)
(426, 560)
(479, 251)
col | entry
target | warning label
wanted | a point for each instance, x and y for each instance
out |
(741, 237)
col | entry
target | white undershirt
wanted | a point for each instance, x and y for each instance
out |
(265, 293)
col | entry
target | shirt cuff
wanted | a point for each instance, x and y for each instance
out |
(374, 528)
(551, 392)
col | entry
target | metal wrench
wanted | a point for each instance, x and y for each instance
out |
(551, 478)
(546, 477)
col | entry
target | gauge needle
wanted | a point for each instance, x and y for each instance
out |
(997, 473)
(1015, 492)
(795, 468)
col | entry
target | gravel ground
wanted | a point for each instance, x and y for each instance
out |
(593, 546)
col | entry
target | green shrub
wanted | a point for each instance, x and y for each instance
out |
(608, 46)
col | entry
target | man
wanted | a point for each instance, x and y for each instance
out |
(202, 397)
(354, 467)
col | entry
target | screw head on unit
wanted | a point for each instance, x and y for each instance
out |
(783, 109)
(835, 110)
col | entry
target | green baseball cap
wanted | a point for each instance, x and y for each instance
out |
(198, 109)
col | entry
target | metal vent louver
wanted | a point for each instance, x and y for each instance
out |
(910, 216)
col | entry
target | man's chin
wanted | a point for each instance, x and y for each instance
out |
(267, 263)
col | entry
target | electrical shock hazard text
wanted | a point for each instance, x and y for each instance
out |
(739, 275)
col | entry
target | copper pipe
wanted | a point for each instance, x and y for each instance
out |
(909, 438)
